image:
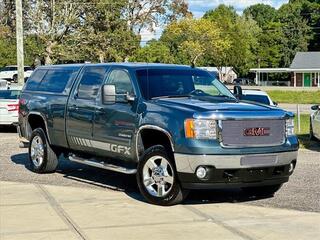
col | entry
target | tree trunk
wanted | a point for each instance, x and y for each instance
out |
(48, 53)
(101, 57)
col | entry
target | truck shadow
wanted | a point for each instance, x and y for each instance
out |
(104, 179)
(8, 129)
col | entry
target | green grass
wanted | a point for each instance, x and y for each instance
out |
(301, 97)
(303, 135)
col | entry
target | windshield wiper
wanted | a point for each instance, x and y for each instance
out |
(173, 96)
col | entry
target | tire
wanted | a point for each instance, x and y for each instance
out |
(157, 178)
(42, 157)
(15, 78)
(263, 190)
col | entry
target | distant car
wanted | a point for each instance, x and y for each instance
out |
(315, 123)
(243, 81)
(11, 73)
(257, 96)
(9, 106)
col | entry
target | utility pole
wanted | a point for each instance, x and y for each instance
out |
(19, 36)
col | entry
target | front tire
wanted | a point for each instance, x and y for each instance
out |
(263, 190)
(15, 78)
(42, 157)
(157, 178)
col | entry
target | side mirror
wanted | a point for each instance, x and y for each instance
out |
(108, 94)
(237, 91)
(315, 107)
(275, 103)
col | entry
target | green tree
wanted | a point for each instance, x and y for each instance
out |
(242, 34)
(295, 29)
(154, 52)
(194, 40)
(263, 14)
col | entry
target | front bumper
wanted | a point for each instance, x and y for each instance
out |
(235, 170)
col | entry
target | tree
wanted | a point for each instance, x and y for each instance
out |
(295, 29)
(52, 21)
(242, 34)
(263, 14)
(151, 13)
(190, 40)
(154, 52)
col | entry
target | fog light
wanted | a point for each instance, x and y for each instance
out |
(291, 167)
(201, 172)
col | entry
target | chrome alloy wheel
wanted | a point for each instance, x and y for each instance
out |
(37, 151)
(158, 176)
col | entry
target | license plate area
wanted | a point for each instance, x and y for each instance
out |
(256, 161)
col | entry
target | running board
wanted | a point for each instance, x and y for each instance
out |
(103, 165)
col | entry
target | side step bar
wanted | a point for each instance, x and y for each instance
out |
(103, 165)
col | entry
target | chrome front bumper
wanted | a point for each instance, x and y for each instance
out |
(186, 163)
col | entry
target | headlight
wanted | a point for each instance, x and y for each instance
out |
(200, 129)
(290, 127)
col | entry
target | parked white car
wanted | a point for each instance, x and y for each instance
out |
(9, 106)
(11, 73)
(315, 122)
(257, 96)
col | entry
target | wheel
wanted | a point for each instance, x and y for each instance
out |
(157, 178)
(42, 158)
(15, 78)
(263, 190)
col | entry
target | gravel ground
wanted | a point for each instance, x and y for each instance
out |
(302, 192)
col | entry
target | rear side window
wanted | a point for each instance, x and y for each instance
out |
(91, 81)
(35, 79)
(9, 94)
(55, 81)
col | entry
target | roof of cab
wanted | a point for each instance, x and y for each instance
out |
(126, 65)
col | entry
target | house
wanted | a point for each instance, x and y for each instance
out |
(226, 74)
(304, 71)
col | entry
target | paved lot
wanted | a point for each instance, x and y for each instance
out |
(80, 202)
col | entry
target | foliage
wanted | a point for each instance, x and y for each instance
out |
(263, 14)
(241, 32)
(194, 40)
(154, 52)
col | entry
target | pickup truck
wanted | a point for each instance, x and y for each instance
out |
(176, 127)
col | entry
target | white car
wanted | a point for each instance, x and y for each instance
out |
(315, 122)
(257, 96)
(9, 106)
(11, 73)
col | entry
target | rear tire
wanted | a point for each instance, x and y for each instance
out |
(157, 178)
(263, 190)
(42, 157)
(15, 78)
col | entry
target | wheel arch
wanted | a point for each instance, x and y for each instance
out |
(145, 132)
(36, 120)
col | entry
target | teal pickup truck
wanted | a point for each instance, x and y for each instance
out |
(176, 127)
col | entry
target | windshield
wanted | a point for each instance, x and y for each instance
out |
(9, 94)
(164, 83)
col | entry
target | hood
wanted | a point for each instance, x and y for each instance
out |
(223, 109)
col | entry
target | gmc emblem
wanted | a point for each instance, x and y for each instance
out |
(256, 132)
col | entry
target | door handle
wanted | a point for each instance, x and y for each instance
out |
(100, 110)
(73, 107)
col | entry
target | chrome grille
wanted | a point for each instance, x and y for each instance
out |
(232, 134)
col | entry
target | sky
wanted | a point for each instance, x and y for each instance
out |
(199, 7)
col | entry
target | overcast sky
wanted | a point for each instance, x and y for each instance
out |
(199, 7)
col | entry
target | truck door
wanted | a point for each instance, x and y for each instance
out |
(114, 124)
(81, 107)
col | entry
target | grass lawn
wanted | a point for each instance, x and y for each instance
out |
(302, 97)
(303, 135)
